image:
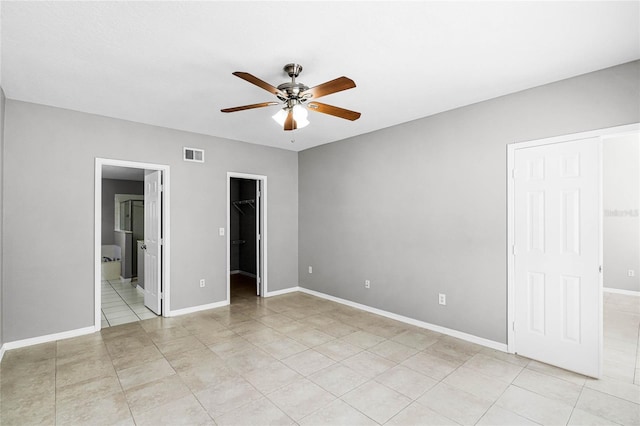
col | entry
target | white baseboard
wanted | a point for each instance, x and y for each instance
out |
(283, 291)
(48, 338)
(453, 333)
(88, 330)
(618, 291)
(178, 312)
(238, 271)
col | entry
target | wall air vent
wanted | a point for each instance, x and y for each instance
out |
(193, 154)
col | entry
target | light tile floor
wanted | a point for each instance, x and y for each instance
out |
(123, 302)
(297, 359)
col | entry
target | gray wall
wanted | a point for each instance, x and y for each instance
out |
(420, 208)
(41, 295)
(111, 187)
(621, 187)
(2, 105)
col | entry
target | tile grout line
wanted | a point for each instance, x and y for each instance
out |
(500, 396)
(576, 404)
(124, 393)
(179, 377)
(193, 332)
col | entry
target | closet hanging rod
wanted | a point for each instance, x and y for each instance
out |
(238, 203)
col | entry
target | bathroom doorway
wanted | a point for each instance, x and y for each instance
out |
(246, 236)
(131, 242)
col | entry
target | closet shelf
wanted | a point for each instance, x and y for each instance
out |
(238, 242)
(239, 203)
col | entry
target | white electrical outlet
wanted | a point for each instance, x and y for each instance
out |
(310, 270)
(442, 299)
(367, 284)
(221, 232)
(631, 273)
(202, 282)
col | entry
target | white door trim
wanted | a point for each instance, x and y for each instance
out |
(511, 149)
(166, 254)
(263, 240)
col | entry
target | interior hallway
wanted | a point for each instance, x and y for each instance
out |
(298, 359)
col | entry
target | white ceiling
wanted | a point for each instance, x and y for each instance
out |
(170, 63)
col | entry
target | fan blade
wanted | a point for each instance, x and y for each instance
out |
(260, 83)
(333, 86)
(289, 122)
(242, 108)
(334, 110)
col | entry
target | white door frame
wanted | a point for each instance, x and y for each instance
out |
(264, 292)
(603, 134)
(166, 264)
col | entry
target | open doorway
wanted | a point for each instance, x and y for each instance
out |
(621, 247)
(131, 242)
(246, 236)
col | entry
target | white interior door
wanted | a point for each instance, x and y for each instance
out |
(557, 275)
(152, 240)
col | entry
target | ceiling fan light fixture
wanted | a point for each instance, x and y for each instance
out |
(300, 114)
(280, 116)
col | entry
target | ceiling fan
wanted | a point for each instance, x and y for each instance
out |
(294, 96)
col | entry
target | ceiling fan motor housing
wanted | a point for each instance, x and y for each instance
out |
(292, 88)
